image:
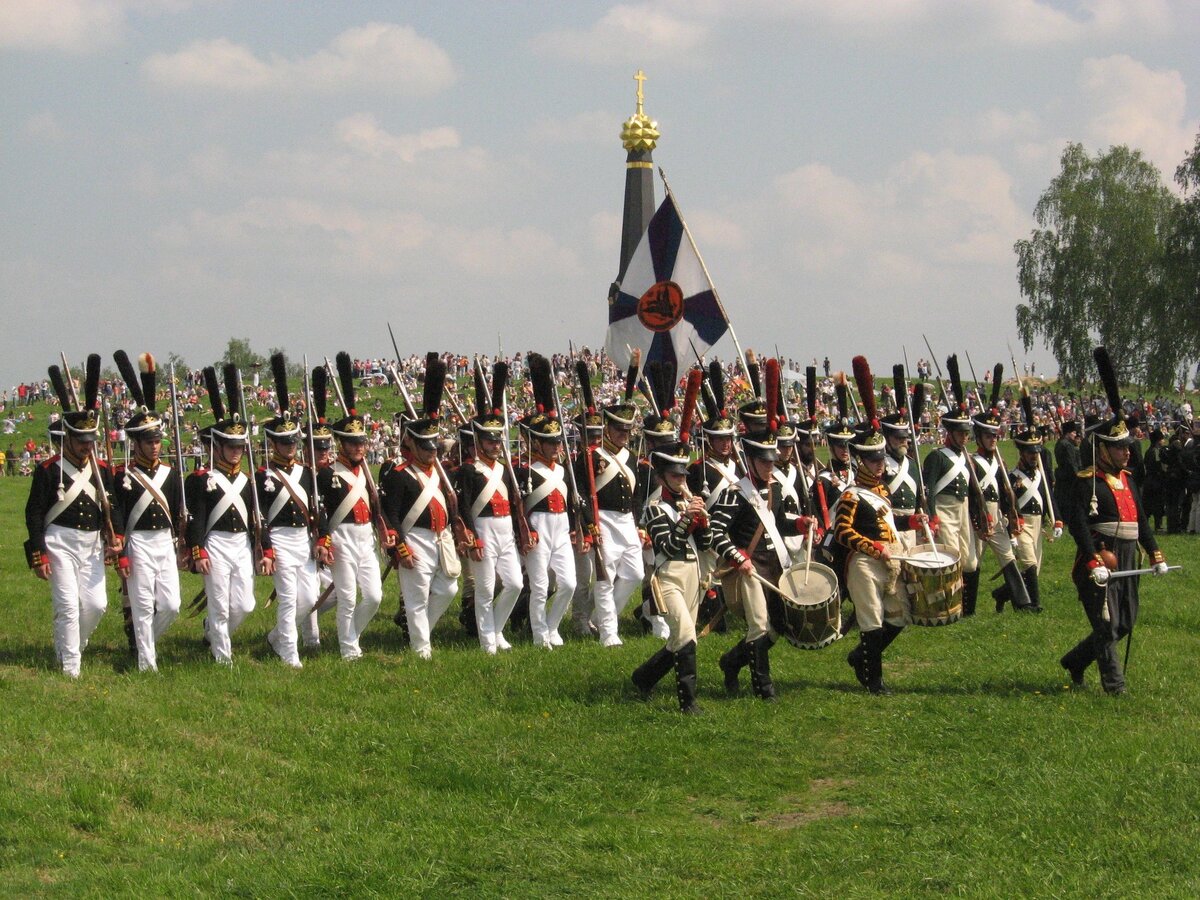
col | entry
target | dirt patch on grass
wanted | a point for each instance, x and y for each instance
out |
(833, 809)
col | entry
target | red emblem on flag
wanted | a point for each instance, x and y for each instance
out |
(661, 307)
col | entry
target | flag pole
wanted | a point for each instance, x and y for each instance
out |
(733, 334)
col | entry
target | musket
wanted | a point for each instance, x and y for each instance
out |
(719, 403)
(576, 501)
(184, 516)
(518, 501)
(980, 518)
(585, 449)
(1007, 488)
(315, 508)
(975, 381)
(940, 380)
(259, 524)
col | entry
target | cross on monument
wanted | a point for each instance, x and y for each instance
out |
(640, 77)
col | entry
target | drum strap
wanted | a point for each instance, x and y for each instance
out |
(766, 521)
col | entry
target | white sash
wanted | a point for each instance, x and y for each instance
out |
(958, 466)
(728, 472)
(81, 483)
(231, 495)
(787, 481)
(615, 464)
(356, 489)
(901, 478)
(494, 485)
(988, 478)
(151, 493)
(552, 480)
(877, 503)
(1031, 489)
(429, 487)
(750, 492)
(297, 492)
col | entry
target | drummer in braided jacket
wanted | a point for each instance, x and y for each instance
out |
(866, 527)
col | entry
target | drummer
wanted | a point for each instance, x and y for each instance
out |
(749, 524)
(678, 526)
(867, 527)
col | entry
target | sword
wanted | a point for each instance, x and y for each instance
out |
(1129, 573)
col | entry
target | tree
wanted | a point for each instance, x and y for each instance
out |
(1183, 254)
(1095, 271)
(239, 352)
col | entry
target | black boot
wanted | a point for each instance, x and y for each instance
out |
(127, 614)
(855, 660)
(1016, 587)
(731, 666)
(760, 668)
(890, 633)
(970, 592)
(873, 644)
(650, 673)
(466, 615)
(1030, 577)
(685, 678)
(1077, 659)
(1001, 595)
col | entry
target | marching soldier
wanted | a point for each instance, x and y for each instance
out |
(898, 469)
(658, 430)
(1108, 522)
(223, 531)
(837, 476)
(589, 425)
(1033, 505)
(486, 497)
(355, 513)
(868, 526)
(1003, 520)
(146, 506)
(678, 525)
(286, 492)
(417, 502)
(550, 503)
(749, 523)
(1067, 458)
(611, 479)
(948, 489)
(69, 538)
(318, 454)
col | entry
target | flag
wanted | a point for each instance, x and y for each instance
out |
(665, 304)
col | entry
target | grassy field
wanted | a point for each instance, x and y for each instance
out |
(538, 774)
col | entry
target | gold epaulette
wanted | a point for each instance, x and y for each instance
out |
(1086, 473)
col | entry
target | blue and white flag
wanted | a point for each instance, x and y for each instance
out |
(665, 304)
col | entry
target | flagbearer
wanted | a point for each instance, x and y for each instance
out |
(678, 526)
(354, 509)
(64, 515)
(222, 531)
(285, 495)
(147, 498)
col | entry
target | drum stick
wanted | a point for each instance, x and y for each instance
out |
(766, 582)
(808, 558)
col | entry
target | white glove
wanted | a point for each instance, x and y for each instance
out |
(1100, 575)
(1057, 532)
(1160, 568)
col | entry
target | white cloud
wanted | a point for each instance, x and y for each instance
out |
(362, 132)
(74, 26)
(379, 56)
(628, 34)
(1130, 103)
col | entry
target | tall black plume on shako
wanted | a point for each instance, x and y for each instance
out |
(320, 388)
(543, 387)
(435, 385)
(91, 382)
(483, 404)
(585, 387)
(959, 399)
(810, 393)
(345, 374)
(997, 379)
(631, 373)
(60, 389)
(900, 389)
(233, 393)
(279, 374)
(213, 387)
(842, 392)
(754, 373)
(130, 377)
(1108, 377)
(714, 400)
(499, 384)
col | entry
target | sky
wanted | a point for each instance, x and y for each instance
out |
(855, 173)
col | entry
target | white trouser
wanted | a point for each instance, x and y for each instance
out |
(500, 557)
(1029, 544)
(956, 532)
(230, 587)
(551, 552)
(310, 629)
(76, 589)
(999, 540)
(658, 624)
(427, 590)
(355, 566)
(622, 551)
(153, 589)
(1194, 515)
(676, 583)
(295, 587)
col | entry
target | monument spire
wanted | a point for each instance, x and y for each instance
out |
(639, 136)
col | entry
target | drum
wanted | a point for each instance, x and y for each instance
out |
(812, 617)
(935, 585)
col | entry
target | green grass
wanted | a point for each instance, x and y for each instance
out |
(535, 773)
